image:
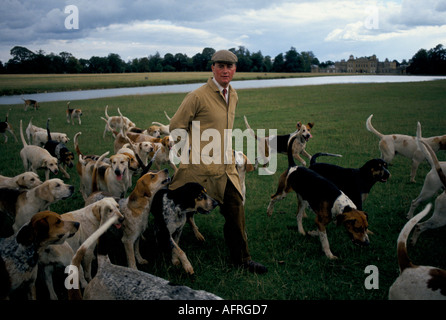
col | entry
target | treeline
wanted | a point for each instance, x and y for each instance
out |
(25, 61)
(431, 61)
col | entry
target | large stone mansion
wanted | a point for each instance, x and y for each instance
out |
(370, 65)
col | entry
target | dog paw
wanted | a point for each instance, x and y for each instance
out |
(143, 261)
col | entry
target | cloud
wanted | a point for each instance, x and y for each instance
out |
(331, 29)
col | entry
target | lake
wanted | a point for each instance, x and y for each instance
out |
(184, 88)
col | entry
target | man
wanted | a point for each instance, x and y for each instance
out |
(212, 106)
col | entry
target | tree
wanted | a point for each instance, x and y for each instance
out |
(293, 61)
(279, 63)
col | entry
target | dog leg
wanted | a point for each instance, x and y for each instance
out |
(130, 252)
(413, 171)
(138, 256)
(325, 245)
(197, 233)
(64, 172)
(48, 271)
(178, 255)
(437, 220)
(301, 205)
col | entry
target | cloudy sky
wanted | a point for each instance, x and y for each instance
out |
(331, 29)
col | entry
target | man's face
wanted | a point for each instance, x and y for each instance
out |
(223, 72)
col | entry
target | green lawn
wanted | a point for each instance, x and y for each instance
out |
(298, 269)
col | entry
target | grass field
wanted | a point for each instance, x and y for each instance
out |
(38, 83)
(297, 267)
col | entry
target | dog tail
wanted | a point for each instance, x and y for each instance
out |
(75, 294)
(21, 134)
(106, 114)
(48, 128)
(249, 128)
(68, 105)
(319, 154)
(76, 144)
(369, 127)
(168, 118)
(94, 181)
(430, 155)
(403, 257)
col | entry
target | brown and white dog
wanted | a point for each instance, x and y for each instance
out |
(31, 103)
(135, 209)
(19, 253)
(6, 126)
(35, 157)
(438, 218)
(393, 144)
(90, 218)
(265, 144)
(73, 114)
(115, 123)
(114, 177)
(325, 199)
(416, 282)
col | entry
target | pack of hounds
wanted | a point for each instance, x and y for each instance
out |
(34, 240)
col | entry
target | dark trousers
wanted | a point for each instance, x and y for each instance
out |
(233, 211)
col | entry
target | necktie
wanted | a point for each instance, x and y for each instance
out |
(224, 94)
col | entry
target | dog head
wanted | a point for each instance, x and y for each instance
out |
(356, 223)
(305, 130)
(106, 209)
(150, 183)
(51, 164)
(242, 163)
(154, 131)
(441, 141)
(145, 147)
(133, 164)
(53, 190)
(119, 163)
(197, 198)
(67, 157)
(377, 170)
(28, 180)
(46, 228)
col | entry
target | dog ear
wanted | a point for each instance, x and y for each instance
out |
(25, 236)
(44, 193)
(298, 125)
(96, 210)
(310, 124)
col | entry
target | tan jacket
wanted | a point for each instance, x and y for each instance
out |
(208, 106)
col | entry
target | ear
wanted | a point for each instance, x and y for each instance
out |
(310, 124)
(96, 210)
(21, 181)
(298, 125)
(248, 165)
(44, 192)
(25, 236)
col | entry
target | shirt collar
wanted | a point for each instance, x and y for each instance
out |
(219, 86)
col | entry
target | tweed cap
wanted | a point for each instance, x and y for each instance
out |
(224, 56)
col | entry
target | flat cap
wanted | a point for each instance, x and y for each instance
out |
(224, 56)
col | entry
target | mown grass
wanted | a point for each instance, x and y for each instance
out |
(40, 83)
(297, 267)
